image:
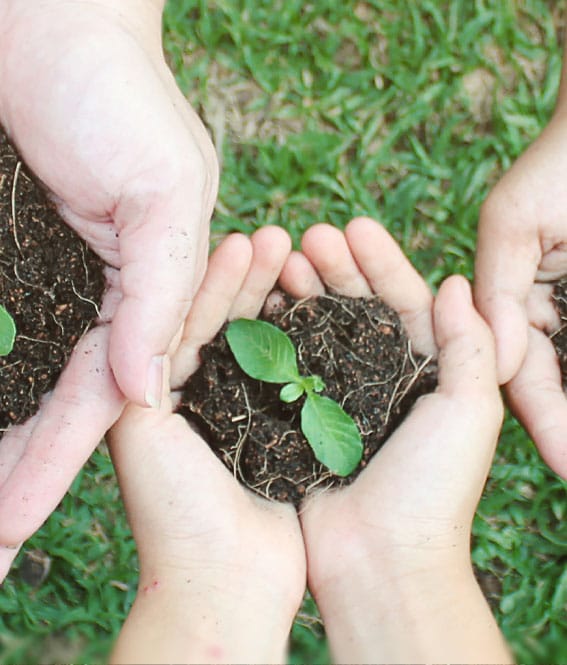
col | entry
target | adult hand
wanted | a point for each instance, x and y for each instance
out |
(92, 107)
(389, 556)
(522, 246)
(222, 571)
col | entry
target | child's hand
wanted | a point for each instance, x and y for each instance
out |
(222, 572)
(522, 246)
(389, 556)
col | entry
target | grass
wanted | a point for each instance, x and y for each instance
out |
(407, 111)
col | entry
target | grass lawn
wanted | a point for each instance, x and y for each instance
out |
(403, 110)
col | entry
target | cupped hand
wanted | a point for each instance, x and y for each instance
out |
(522, 247)
(92, 107)
(428, 477)
(236, 560)
(407, 518)
(95, 112)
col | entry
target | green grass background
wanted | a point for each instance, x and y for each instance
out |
(405, 110)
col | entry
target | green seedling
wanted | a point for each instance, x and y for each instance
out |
(7, 332)
(266, 353)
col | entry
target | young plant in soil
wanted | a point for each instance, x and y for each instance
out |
(358, 346)
(266, 353)
(7, 332)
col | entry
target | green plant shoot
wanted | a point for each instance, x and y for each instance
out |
(266, 353)
(7, 332)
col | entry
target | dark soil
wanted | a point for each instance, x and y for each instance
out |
(361, 351)
(49, 282)
(559, 338)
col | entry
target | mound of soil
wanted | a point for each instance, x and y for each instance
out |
(50, 282)
(359, 348)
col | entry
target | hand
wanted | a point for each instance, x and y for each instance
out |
(522, 247)
(222, 571)
(389, 556)
(96, 114)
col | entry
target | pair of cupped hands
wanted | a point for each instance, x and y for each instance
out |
(87, 97)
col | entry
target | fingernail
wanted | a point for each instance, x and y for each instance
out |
(154, 385)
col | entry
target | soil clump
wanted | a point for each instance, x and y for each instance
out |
(50, 283)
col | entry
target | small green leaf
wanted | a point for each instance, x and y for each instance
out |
(312, 383)
(263, 351)
(290, 392)
(7, 332)
(332, 434)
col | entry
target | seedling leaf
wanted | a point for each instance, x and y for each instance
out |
(291, 392)
(7, 332)
(332, 434)
(313, 383)
(263, 351)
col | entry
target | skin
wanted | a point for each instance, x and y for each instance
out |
(85, 92)
(522, 243)
(387, 555)
(222, 572)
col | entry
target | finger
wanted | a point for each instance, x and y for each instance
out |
(13, 445)
(112, 296)
(393, 278)
(507, 259)
(450, 435)
(299, 278)
(541, 310)
(163, 249)
(467, 360)
(223, 280)
(326, 248)
(84, 403)
(467, 399)
(271, 247)
(537, 398)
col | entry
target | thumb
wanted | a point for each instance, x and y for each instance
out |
(468, 376)
(163, 250)
(467, 362)
(507, 259)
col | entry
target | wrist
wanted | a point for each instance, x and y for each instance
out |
(274, 598)
(387, 546)
(434, 614)
(360, 579)
(182, 617)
